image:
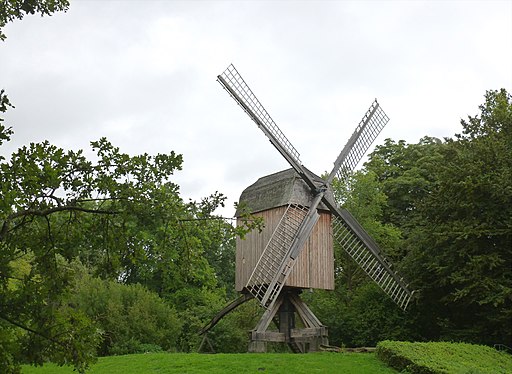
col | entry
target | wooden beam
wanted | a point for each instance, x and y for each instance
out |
(228, 308)
(311, 332)
(268, 336)
(269, 315)
(307, 316)
(301, 340)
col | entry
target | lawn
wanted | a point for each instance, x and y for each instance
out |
(439, 358)
(230, 363)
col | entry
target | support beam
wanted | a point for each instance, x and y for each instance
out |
(287, 308)
(228, 308)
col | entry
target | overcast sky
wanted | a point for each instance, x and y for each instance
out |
(143, 74)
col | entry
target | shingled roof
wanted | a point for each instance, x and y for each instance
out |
(278, 189)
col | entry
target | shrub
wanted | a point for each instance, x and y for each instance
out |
(132, 318)
(132, 346)
(443, 358)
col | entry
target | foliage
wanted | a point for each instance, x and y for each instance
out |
(406, 173)
(38, 323)
(131, 318)
(442, 212)
(231, 363)
(364, 320)
(372, 317)
(5, 133)
(443, 358)
(195, 307)
(47, 195)
(121, 216)
(17, 9)
(463, 238)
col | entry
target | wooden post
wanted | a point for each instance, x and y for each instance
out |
(286, 318)
(257, 346)
(300, 340)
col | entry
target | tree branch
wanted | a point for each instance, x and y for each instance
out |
(32, 331)
(44, 213)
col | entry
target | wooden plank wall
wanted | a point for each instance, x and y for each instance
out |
(314, 268)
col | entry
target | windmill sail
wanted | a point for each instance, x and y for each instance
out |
(233, 82)
(349, 234)
(354, 240)
(365, 133)
(240, 91)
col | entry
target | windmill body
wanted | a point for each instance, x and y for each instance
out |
(295, 251)
(269, 198)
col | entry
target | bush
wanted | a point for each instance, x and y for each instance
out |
(196, 307)
(132, 346)
(443, 358)
(132, 318)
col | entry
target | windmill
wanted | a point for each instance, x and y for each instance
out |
(302, 221)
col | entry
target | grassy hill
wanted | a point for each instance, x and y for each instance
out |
(348, 363)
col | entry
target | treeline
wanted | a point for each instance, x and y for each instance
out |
(442, 211)
(104, 257)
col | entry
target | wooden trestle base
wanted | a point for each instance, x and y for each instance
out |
(307, 338)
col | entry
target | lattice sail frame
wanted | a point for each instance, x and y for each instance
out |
(370, 260)
(233, 82)
(268, 279)
(364, 135)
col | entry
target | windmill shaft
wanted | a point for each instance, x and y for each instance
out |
(300, 238)
(306, 227)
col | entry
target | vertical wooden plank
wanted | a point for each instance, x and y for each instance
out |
(314, 267)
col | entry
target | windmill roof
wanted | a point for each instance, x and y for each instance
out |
(278, 189)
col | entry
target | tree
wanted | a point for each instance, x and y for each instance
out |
(450, 205)
(122, 218)
(452, 201)
(465, 238)
(46, 195)
(120, 215)
(17, 9)
(406, 174)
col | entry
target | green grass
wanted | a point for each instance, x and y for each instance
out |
(444, 358)
(230, 363)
